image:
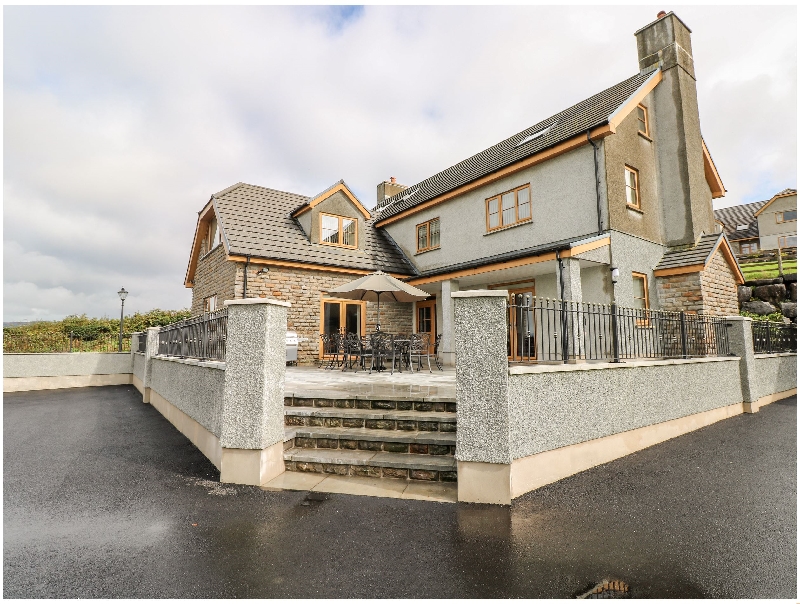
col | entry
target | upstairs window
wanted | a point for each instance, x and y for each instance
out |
(640, 297)
(644, 124)
(338, 230)
(787, 241)
(508, 208)
(632, 187)
(428, 235)
(787, 216)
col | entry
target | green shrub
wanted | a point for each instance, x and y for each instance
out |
(776, 316)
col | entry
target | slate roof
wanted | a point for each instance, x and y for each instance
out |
(742, 214)
(591, 113)
(682, 256)
(255, 220)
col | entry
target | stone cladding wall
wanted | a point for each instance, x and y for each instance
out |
(304, 289)
(214, 276)
(719, 288)
(680, 292)
(710, 292)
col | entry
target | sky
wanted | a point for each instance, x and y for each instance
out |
(120, 122)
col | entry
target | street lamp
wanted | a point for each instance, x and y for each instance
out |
(122, 295)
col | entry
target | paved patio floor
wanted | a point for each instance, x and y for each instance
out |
(332, 383)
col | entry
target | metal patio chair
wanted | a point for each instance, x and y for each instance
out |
(420, 349)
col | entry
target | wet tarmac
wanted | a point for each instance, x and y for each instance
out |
(104, 498)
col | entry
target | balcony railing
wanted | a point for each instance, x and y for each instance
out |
(555, 331)
(201, 337)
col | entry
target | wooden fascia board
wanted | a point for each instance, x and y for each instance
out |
(555, 151)
(323, 196)
(712, 176)
(679, 270)
(194, 256)
(769, 203)
(616, 118)
(586, 247)
(308, 266)
(487, 268)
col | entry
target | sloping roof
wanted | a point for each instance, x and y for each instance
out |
(784, 193)
(734, 216)
(578, 119)
(700, 253)
(255, 220)
(696, 257)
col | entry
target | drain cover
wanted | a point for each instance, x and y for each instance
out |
(607, 589)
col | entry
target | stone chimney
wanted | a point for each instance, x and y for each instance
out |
(387, 189)
(684, 192)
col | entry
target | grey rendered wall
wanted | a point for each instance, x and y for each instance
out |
(193, 387)
(774, 373)
(66, 363)
(545, 406)
(596, 284)
(564, 205)
(633, 254)
(138, 365)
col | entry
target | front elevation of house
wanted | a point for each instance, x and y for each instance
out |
(622, 179)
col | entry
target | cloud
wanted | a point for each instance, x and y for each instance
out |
(120, 122)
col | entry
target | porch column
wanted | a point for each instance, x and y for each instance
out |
(572, 293)
(447, 347)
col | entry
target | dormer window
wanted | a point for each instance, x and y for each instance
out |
(644, 123)
(338, 230)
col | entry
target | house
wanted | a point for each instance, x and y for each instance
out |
(622, 180)
(761, 225)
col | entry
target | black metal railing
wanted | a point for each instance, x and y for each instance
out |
(770, 337)
(200, 337)
(22, 342)
(556, 331)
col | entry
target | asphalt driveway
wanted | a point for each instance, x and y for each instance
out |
(104, 498)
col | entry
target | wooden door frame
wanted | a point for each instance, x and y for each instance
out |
(432, 305)
(342, 315)
(512, 339)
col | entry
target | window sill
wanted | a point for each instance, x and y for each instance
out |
(426, 250)
(634, 208)
(510, 226)
(644, 136)
(344, 247)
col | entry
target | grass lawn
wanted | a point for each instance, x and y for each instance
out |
(767, 270)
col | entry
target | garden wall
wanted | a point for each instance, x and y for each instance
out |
(65, 370)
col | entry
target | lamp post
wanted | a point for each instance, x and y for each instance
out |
(614, 327)
(122, 295)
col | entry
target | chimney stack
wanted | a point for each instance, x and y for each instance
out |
(686, 199)
(387, 189)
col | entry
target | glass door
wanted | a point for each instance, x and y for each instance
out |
(426, 320)
(521, 325)
(342, 316)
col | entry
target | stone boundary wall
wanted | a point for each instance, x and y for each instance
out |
(774, 373)
(551, 409)
(47, 371)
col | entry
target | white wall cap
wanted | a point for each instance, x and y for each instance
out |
(258, 301)
(738, 318)
(481, 293)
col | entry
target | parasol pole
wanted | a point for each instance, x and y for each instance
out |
(378, 324)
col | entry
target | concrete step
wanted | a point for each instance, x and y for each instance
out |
(426, 421)
(365, 439)
(372, 463)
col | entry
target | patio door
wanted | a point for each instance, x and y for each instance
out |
(426, 320)
(521, 325)
(343, 316)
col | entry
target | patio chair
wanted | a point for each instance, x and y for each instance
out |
(332, 349)
(382, 345)
(354, 351)
(420, 349)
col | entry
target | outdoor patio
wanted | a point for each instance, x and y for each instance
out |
(308, 382)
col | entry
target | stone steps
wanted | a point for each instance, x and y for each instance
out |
(375, 419)
(366, 439)
(358, 435)
(347, 462)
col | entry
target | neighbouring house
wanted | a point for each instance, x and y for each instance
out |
(622, 179)
(761, 225)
